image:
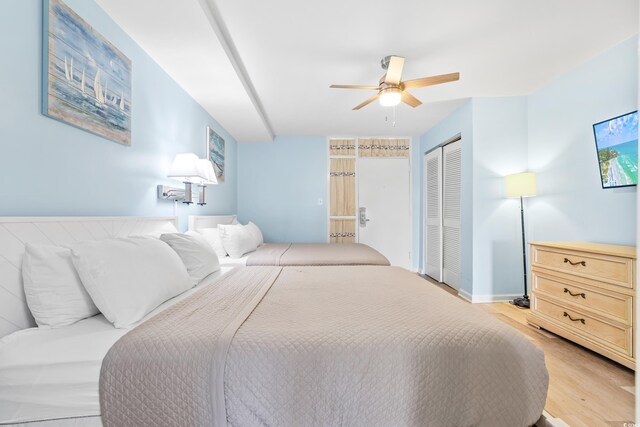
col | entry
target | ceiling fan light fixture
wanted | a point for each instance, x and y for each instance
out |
(390, 96)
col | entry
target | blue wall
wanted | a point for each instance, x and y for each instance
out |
(279, 184)
(50, 168)
(571, 204)
(459, 122)
(499, 149)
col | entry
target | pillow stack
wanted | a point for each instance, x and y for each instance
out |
(235, 240)
(123, 278)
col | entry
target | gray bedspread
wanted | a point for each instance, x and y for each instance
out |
(301, 254)
(323, 346)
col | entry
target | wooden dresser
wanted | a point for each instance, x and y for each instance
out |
(586, 292)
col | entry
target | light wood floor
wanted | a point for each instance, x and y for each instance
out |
(585, 389)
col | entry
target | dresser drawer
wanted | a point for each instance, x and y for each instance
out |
(615, 306)
(617, 338)
(609, 269)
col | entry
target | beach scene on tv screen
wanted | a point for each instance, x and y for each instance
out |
(617, 143)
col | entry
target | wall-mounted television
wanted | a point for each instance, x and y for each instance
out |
(617, 146)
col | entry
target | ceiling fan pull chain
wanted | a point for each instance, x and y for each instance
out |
(394, 116)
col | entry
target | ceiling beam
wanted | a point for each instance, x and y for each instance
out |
(220, 29)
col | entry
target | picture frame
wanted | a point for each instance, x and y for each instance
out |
(216, 153)
(86, 80)
(617, 150)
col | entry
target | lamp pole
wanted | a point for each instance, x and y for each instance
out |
(524, 300)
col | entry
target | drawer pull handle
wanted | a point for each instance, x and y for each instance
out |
(582, 263)
(567, 291)
(572, 319)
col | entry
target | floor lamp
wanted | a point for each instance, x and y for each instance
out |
(522, 185)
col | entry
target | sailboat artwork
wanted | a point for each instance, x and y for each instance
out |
(87, 79)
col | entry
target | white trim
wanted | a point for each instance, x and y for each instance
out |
(465, 295)
(484, 299)
(19, 219)
(197, 222)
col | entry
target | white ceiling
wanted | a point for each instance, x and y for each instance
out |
(293, 50)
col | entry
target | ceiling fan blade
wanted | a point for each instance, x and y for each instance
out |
(354, 87)
(430, 81)
(367, 102)
(394, 71)
(409, 99)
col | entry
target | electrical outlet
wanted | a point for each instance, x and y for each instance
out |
(320, 201)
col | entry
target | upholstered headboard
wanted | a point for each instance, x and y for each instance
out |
(16, 232)
(198, 222)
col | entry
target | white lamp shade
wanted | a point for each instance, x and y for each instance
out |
(187, 167)
(521, 184)
(184, 167)
(206, 173)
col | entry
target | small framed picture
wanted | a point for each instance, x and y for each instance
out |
(215, 153)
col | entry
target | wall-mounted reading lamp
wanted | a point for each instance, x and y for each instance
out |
(189, 169)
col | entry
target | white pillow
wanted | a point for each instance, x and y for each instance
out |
(129, 277)
(54, 292)
(212, 236)
(237, 240)
(196, 254)
(256, 233)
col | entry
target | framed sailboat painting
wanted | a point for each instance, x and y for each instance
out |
(86, 80)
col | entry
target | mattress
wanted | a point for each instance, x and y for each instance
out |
(50, 373)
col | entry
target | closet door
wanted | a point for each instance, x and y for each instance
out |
(433, 213)
(451, 213)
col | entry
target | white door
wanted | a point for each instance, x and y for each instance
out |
(452, 167)
(433, 214)
(384, 207)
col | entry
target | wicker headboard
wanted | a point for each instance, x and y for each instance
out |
(16, 232)
(198, 222)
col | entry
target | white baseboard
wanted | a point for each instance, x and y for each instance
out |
(482, 299)
(465, 295)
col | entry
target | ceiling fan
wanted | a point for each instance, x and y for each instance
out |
(392, 90)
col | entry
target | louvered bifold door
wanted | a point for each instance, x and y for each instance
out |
(433, 213)
(452, 167)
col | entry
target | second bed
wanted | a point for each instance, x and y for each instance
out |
(294, 254)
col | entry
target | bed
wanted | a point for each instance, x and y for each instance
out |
(304, 345)
(295, 254)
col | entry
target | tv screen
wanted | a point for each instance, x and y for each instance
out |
(617, 145)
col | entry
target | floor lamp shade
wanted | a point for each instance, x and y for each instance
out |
(521, 185)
